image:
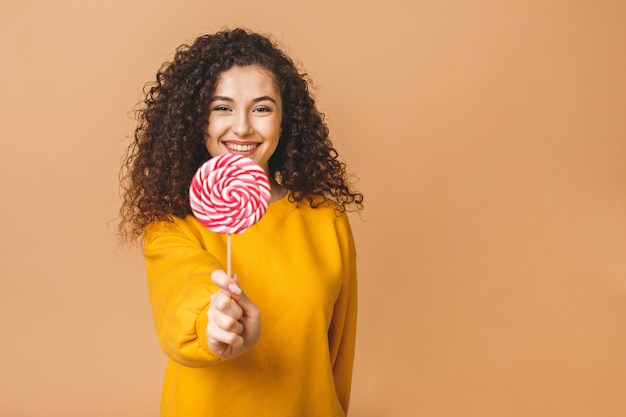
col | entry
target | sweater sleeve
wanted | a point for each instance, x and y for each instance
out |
(342, 332)
(179, 271)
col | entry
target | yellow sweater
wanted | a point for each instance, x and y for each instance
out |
(297, 264)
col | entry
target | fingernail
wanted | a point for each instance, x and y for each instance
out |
(234, 289)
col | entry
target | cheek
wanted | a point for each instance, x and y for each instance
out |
(274, 130)
(210, 141)
(210, 130)
(213, 132)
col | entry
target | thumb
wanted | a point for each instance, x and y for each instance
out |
(225, 283)
(249, 308)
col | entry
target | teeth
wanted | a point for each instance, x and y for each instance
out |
(240, 148)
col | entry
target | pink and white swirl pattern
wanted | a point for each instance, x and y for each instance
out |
(229, 193)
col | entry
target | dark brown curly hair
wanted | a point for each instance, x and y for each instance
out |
(169, 140)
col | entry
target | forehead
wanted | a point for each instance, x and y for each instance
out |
(248, 79)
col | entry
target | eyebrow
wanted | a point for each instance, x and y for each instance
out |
(256, 100)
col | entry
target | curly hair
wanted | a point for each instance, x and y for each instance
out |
(169, 140)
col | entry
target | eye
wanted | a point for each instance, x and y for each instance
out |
(220, 108)
(262, 109)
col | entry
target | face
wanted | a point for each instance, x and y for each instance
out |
(245, 115)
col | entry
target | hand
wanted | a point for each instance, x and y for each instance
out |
(234, 321)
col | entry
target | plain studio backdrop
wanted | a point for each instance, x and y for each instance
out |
(490, 142)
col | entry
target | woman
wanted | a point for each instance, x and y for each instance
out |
(278, 338)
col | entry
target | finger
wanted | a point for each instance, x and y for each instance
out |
(217, 336)
(227, 323)
(226, 305)
(235, 289)
(224, 282)
(225, 313)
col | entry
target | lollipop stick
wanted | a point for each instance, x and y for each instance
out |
(228, 255)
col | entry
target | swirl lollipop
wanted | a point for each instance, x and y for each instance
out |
(228, 194)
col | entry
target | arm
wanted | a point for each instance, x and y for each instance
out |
(179, 281)
(342, 332)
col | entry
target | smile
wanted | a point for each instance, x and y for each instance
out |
(241, 148)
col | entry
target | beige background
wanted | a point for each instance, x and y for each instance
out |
(489, 138)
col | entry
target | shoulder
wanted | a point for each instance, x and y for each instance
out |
(187, 227)
(322, 210)
(321, 204)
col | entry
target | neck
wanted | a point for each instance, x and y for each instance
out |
(277, 190)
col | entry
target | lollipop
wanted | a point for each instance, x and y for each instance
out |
(228, 194)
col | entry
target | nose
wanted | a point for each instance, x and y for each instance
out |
(241, 124)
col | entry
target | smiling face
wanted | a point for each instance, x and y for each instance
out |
(245, 115)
